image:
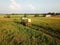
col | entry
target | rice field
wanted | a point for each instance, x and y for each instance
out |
(14, 33)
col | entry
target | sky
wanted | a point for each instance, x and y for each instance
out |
(29, 6)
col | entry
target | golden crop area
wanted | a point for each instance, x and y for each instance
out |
(43, 30)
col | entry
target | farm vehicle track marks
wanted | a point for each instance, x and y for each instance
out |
(46, 31)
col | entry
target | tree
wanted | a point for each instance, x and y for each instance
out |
(53, 13)
(36, 15)
(25, 15)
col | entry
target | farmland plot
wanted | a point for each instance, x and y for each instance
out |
(13, 33)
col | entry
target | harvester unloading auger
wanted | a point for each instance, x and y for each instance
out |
(26, 21)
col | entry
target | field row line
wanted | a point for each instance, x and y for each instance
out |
(49, 32)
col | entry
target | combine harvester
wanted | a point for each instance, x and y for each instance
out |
(26, 21)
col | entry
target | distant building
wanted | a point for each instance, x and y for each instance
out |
(48, 15)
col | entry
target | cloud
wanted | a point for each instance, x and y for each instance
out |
(14, 6)
(31, 7)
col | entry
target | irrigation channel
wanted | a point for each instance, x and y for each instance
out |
(46, 31)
